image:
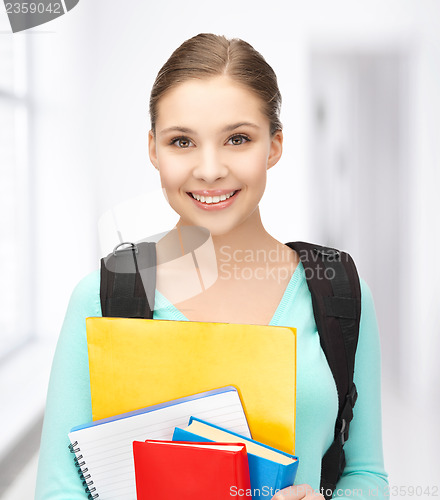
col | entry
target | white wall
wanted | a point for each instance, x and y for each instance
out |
(64, 172)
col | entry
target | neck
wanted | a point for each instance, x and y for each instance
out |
(251, 234)
(209, 257)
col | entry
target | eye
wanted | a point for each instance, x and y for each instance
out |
(181, 142)
(238, 140)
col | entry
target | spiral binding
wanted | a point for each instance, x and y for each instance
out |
(83, 471)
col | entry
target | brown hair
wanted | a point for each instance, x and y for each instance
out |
(207, 55)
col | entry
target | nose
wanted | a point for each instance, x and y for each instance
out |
(209, 166)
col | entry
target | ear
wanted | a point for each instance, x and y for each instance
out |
(152, 149)
(276, 149)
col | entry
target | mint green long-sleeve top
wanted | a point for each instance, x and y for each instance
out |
(69, 402)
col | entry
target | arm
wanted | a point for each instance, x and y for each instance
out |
(68, 400)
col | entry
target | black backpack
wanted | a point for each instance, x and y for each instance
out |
(336, 297)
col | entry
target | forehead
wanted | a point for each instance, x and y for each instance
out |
(207, 101)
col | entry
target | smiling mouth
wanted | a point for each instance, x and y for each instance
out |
(212, 200)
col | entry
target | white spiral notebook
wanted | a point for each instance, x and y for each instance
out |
(104, 448)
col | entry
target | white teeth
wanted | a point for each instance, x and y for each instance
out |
(212, 199)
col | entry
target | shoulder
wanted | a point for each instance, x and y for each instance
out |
(369, 339)
(88, 284)
(84, 303)
(367, 301)
(365, 290)
(85, 297)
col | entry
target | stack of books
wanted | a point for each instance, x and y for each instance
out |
(234, 440)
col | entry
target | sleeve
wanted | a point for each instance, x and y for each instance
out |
(68, 399)
(364, 475)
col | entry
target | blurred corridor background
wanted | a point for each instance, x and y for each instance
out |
(361, 113)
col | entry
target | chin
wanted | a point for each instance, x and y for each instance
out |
(219, 232)
(214, 229)
(222, 230)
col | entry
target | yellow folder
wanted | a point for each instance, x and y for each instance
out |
(135, 363)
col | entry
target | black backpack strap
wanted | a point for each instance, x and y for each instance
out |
(336, 297)
(128, 281)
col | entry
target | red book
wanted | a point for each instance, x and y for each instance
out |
(168, 470)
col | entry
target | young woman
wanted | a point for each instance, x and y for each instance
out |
(215, 131)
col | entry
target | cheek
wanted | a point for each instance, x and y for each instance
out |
(172, 173)
(253, 167)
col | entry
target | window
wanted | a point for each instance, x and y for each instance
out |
(15, 197)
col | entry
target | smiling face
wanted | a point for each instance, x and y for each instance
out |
(213, 148)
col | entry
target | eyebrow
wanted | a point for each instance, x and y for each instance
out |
(228, 128)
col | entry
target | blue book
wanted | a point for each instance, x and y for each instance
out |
(270, 469)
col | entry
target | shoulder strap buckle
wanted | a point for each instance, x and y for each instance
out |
(131, 246)
(352, 395)
(343, 433)
(347, 413)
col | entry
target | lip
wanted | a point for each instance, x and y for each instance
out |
(213, 192)
(214, 206)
